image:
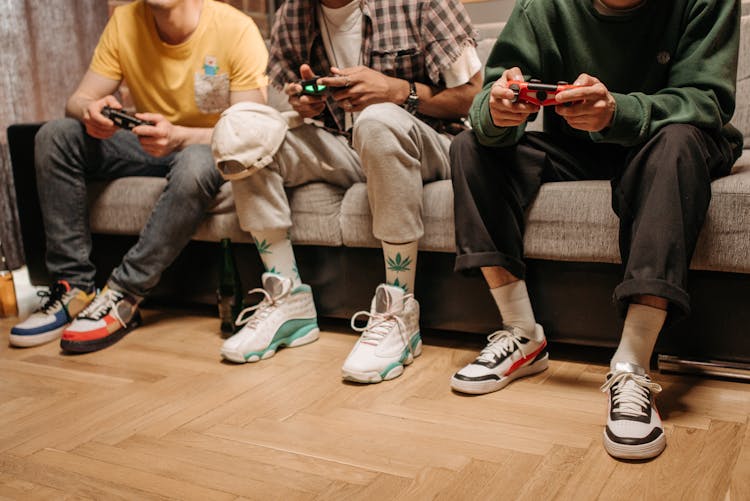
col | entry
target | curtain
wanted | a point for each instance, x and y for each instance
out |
(46, 48)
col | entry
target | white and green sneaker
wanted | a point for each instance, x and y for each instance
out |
(285, 317)
(389, 341)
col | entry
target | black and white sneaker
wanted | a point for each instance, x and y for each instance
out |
(508, 356)
(634, 429)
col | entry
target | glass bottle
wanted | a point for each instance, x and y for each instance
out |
(229, 293)
(8, 303)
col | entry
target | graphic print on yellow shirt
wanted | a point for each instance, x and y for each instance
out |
(189, 83)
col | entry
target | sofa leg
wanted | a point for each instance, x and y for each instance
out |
(720, 368)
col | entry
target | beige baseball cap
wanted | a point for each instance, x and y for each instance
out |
(246, 137)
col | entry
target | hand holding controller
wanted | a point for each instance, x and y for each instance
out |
(123, 119)
(311, 87)
(536, 92)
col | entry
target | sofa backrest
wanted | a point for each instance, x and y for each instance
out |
(489, 32)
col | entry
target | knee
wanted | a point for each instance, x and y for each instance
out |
(678, 152)
(377, 121)
(463, 145)
(678, 137)
(464, 154)
(56, 134)
(194, 172)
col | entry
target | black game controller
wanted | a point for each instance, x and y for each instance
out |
(122, 119)
(312, 88)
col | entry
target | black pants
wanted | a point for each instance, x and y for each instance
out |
(660, 192)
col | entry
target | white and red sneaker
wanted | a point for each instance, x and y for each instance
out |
(510, 354)
(634, 429)
(110, 316)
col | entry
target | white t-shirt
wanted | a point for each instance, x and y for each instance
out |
(341, 29)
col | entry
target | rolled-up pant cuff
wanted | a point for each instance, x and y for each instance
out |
(465, 262)
(679, 299)
(114, 284)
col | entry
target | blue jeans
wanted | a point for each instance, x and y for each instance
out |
(66, 158)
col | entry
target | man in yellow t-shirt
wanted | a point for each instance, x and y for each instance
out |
(185, 61)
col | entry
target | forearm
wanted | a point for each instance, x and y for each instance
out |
(76, 106)
(447, 104)
(192, 135)
(453, 103)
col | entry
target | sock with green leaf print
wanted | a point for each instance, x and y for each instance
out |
(400, 264)
(277, 254)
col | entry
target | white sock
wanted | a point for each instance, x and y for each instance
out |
(401, 264)
(515, 306)
(642, 326)
(277, 254)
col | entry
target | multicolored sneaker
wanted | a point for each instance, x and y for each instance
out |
(285, 317)
(110, 316)
(509, 355)
(389, 341)
(61, 304)
(634, 429)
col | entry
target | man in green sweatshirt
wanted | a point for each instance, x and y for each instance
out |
(657, 84)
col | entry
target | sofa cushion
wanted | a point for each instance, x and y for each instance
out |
(122, 207)
(574, 221)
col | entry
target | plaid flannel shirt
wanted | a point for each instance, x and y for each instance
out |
(409, 39)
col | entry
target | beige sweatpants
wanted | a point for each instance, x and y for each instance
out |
(394, 152)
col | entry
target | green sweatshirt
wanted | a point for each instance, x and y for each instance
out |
(669, 61)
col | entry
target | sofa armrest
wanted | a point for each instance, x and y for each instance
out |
(21, 147)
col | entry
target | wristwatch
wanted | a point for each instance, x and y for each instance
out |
(412, 101)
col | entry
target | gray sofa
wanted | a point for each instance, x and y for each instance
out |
(571, 247)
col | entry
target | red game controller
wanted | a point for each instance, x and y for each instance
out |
(536, 92)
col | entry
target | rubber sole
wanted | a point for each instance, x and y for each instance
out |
(21, 341)
(101, 343)
(289, 342)
(490, 385)
(640, 451)
(390, 372)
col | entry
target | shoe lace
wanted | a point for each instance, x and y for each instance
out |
(379, 324)
(104, 302)
(631, 393)
(262, 310)
(501, 343)
(54, 297)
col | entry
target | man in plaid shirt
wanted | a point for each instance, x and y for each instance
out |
(399, 75)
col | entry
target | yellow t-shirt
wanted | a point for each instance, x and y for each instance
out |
(188, 83)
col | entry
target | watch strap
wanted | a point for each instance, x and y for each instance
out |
(412, 100)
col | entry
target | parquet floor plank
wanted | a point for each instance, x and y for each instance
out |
(739, 487)
(159, 416)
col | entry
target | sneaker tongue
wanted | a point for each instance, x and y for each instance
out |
(389, 298)
(273, 283)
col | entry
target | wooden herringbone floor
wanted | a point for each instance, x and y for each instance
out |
(159, 416)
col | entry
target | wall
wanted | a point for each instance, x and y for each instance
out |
(492, 11)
